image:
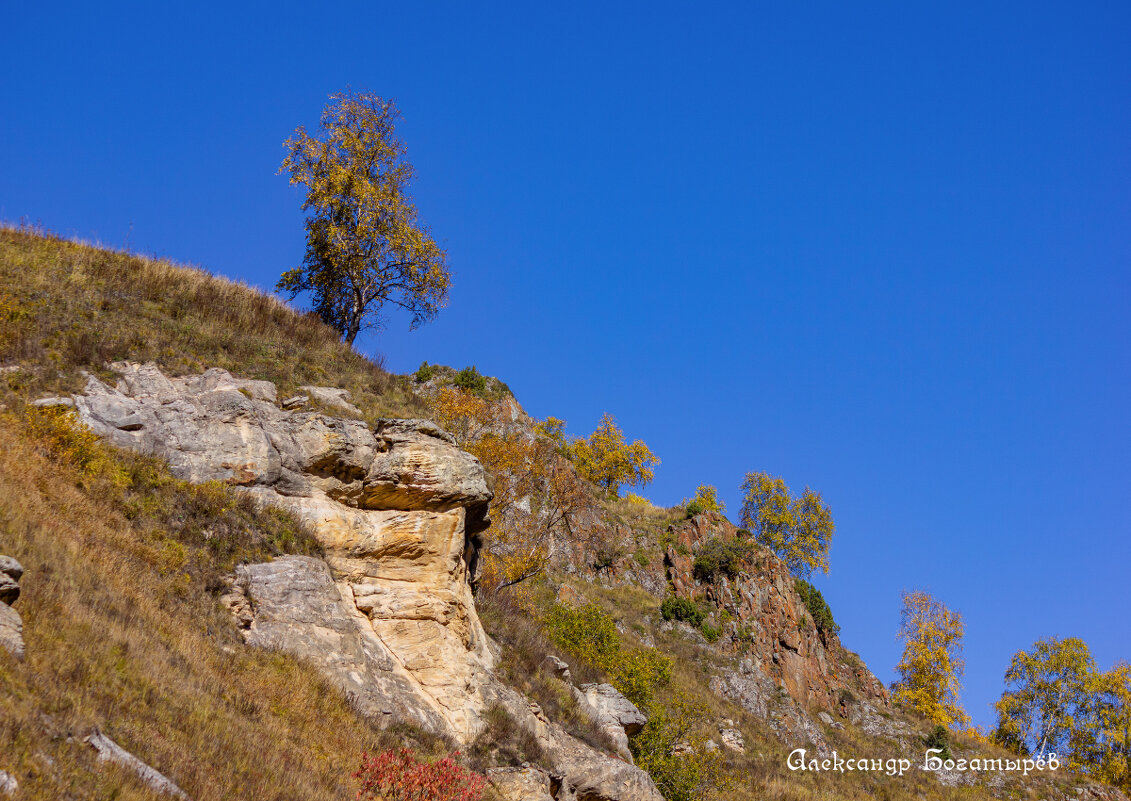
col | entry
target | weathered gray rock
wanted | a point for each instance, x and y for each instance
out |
(561, 669)
(8, 783)
(332, 396)
(11, 625)
(10, 567)
(110, 751)
(11, 631)
(757, 693)
(44, 403)
(872, 721)
(521, 784)
(616, 715)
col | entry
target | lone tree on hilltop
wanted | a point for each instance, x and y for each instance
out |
(365, 246)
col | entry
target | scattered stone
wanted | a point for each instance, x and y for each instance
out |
(53, 400)
(10, 573)
(561, 669)
(295, 402)
(8, 783)
(731, 737)
(9, 589)
(110, 751)
(332, 396)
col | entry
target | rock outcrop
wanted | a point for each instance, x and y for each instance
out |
(11, 626)
(616, 715)
(788, 668)
(399, 510)
(394, 506)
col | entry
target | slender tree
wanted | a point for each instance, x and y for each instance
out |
(365, 246)
(1047, 696)
(930, 671)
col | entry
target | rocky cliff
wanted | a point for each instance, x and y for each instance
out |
(388, 614)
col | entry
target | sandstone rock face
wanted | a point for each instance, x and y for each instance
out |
(394, 507)
(11, 626)
(389, 614)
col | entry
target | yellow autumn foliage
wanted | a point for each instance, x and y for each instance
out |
(931, 669)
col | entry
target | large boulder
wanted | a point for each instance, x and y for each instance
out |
(616, 715)
(11, 626)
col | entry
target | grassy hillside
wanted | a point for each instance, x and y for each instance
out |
(67, 306)
(125, 634)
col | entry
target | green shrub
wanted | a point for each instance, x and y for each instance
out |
(817, 605)
(711, 633)
(589, 633)
(673, 750)
(585, 631)
(470, 380)
(684, 609)
(424, 373)
(939, 738)
(725, 557)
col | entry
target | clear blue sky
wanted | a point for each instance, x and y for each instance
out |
(875, 249)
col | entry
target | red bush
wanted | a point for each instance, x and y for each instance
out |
(400, 776)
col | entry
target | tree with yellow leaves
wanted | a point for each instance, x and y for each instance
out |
(607, 459)
(1046, 696)
(930, 671)
(536, 491)
(1108, 748)
(799, 530)
(365, 246)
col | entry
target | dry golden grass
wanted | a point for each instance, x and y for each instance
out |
(124, 634)
(66, 306)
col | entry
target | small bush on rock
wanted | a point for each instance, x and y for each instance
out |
(817, 605)
(469, 380)
(706, 500)
(723, 557)
(682, 609)
(939, 738)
